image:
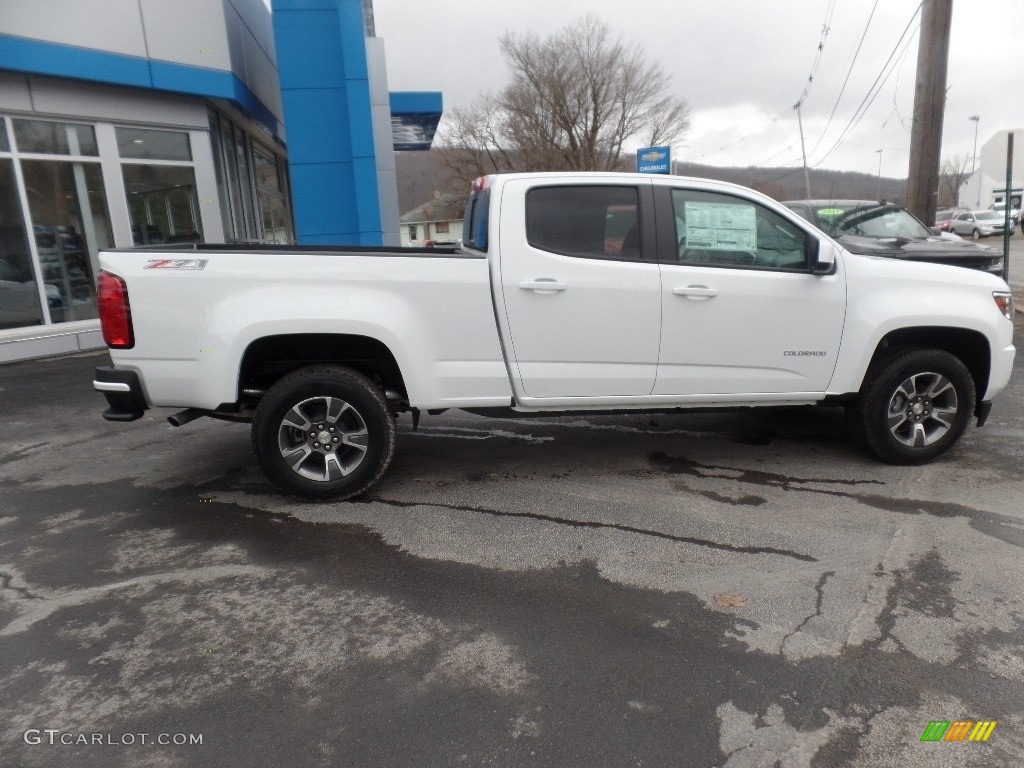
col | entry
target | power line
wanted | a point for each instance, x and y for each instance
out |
(826, 27)
(849, 71)
(872, 93)
(742, 138)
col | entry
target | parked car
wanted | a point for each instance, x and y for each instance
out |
(979, 224)
(1000, 208)
(872, 228)
(726, 300)
(944, 219)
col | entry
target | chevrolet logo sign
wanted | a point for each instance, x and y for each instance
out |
(651, 157)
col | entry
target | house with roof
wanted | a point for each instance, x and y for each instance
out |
(438, 220)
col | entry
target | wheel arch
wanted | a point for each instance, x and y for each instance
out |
(269, 358)
(969, 346)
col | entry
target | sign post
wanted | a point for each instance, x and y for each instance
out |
(654, 160)
(1008, 230)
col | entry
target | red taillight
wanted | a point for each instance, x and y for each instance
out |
(115, 314)
(479, 184)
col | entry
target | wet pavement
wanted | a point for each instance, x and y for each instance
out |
(725, 589)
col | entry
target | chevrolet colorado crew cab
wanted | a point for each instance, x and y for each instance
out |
(571, 292)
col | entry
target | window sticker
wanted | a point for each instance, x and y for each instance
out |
(721, 226)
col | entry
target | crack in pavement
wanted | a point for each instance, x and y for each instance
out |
(819, 589)
(747, 550)
(680, 465)
(994, 524)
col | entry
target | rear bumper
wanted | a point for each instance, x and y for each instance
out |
(123, 391)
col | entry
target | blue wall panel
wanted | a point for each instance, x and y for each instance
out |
(334, 207)
(321, 54)
(324, 139)
(35, 57)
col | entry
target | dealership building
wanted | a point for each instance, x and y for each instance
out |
(987, 184)
(147, 122)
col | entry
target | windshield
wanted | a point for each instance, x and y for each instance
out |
(870, 222)
(989, 216)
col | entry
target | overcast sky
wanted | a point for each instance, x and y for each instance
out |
(742, 65)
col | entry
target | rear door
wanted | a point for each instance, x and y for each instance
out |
(581, 287)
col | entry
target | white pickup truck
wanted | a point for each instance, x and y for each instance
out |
(572, 292)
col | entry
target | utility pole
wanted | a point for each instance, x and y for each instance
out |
(929, 108)
(803, 151)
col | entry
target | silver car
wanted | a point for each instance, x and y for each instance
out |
(979, 224)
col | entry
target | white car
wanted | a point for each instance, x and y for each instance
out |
(713, 296)
(979, 224)
(1000, 208)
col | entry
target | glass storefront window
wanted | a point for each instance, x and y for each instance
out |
(19, 295)
(218, 169)
(231, 172)
(245, 183)
(48, 138)
(144, 144)
(68, 207)
(273, 211)
(163, 204)
(3, 137)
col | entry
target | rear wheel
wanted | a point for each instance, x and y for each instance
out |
(915, 406)
(324, 433)
(976, 234)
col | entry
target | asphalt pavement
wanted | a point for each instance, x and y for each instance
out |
(724, 589)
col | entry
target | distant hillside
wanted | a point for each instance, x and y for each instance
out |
(421, 176)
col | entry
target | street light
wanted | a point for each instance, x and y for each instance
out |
(975, 119)
(879, 152)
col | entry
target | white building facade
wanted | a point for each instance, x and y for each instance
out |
(987, 185)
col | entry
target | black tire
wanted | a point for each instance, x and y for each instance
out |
(904, 423)
(340, 403)
(976, 234)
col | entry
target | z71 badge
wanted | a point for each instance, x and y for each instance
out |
(176, 264)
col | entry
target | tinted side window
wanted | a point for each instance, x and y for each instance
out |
(591, 222)
(474, 234)
(720, 230)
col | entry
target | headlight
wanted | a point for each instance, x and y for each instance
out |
(1004, 300)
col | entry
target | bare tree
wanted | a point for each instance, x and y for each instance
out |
(952, 175)
(575, 100)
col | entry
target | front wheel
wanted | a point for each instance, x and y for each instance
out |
(976, 234)
(914, 406)
(324, 432)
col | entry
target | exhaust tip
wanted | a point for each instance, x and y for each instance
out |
(184, 417)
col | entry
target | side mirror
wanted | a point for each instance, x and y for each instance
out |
(823, 257)
(935, 230)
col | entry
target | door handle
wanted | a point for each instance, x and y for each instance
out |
(543, 285)
(696, 292)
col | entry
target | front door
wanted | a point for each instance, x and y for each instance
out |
(582, 302)
(742, 312)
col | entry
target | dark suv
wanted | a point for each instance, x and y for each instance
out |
(875, 228)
